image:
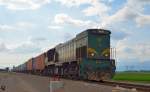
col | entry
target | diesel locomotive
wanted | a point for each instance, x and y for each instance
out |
(87, 56)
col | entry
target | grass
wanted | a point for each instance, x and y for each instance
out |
(141, 77)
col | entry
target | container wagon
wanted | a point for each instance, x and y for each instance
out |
(39, 64)
(29, 66)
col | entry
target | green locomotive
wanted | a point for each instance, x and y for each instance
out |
(87, 56)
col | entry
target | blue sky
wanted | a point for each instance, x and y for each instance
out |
(29, 27)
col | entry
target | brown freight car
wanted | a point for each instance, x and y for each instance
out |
(39, 63)
(29, 66)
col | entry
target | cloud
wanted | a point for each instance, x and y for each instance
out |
(17, 26)
(68, 36)
(123, 14)
(96, 8)
(24, 24)
(63, 19)
(3, 47)
(31, 45)
(119, 35)
(26, 48)
(9, 59)
(143, 20)
(54, 27)
(4, 27)
(23, 4)
(129, 51)
(129, 12)
(71, 3)
(17, 53)
(66, 19)
(37, 39)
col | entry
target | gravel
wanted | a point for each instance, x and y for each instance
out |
(17, 82)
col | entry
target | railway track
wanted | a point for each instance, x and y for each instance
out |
(138, 87)
(126, 85)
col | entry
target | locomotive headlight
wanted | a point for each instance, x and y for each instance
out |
(105, 52)
(106, 55)
(92, 54)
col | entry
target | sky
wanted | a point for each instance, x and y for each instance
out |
(30, 27)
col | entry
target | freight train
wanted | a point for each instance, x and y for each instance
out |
(87, 56)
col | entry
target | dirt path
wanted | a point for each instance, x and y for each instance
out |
(30, 83)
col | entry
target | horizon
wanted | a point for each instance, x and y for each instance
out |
(30, 28)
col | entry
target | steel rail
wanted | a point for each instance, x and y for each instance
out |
(138, 87)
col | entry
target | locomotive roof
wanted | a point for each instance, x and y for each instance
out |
(83, 34)
(101, 31)
(95, 31)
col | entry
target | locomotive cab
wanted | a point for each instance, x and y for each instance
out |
(97, 64)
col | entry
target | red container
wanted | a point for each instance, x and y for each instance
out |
(29, 64)
(40, 62)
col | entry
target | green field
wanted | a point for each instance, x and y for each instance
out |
(142, 77)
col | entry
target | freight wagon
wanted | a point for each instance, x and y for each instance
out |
(87, 56)
(39, 64)
(29, 66)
